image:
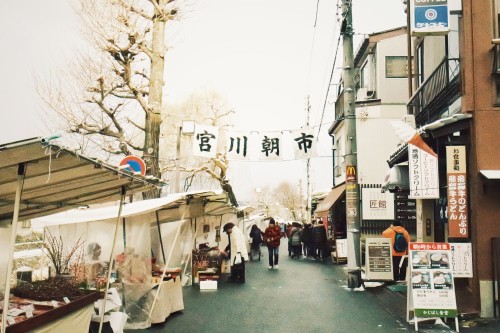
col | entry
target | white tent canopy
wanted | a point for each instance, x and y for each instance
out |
(169, 207)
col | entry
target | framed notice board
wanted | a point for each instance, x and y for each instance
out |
(340, 254)
(431, 286)
(378, 259)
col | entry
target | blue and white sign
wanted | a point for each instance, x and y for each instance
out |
(430, 17)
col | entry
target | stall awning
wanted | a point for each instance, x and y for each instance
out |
(396, 179)
(168, 207)
(55, 179)
(490, 175)
(331, 198)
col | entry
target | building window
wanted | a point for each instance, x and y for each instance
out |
(496, 18)
(365, 76)
(396, 67)
(496, 101)
(420, 64)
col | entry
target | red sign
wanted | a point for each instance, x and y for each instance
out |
(350, 173)
(458, 222)
(135, 164)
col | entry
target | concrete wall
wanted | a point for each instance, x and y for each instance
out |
(391, 90)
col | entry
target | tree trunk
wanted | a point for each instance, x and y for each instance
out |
(153, 115)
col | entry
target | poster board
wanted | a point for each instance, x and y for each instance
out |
(461, 260)
(432, 290)
(340, 253)
(378, 259)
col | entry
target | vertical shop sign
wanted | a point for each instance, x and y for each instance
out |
(461, 260)
(423, 174)
(431, 280)
(351, 194)
(456, 174)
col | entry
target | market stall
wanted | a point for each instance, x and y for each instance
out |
(152, 253)
(39, 178)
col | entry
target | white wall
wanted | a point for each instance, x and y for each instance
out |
(376, 140)
(391, 90)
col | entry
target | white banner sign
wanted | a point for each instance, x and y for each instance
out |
(377, 205)
(423, 174)
(269, 145)
(304, 142)
(461, 260)
(238, 144)
(205, 141)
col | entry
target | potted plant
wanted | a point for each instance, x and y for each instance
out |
(60, 255)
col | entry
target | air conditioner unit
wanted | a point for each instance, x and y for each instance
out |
(337, 171)
(362, 94)
(409, 119)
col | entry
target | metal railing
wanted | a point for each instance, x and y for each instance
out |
(436, 93)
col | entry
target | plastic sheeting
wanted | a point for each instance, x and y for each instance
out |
(131, 260)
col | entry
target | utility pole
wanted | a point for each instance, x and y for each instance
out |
(352, 193)
(308, 167)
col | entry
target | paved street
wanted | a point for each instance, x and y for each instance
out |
(302, 296)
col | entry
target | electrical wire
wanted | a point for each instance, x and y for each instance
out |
(332, 70)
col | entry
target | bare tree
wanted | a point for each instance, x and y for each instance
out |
(110, 97)
(112, 94)
(208, 108)
(289, 197)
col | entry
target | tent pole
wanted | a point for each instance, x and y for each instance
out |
(159, 235)
(21, 171)
(166, 265)
(103, 304)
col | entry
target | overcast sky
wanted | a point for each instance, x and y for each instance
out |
(264, 56)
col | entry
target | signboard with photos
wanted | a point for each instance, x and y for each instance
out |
(432, 290)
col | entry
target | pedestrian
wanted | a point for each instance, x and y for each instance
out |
(306, 239)
(256, 236)
(288, 230)
(399, 249)
(318, 239)
(295, 240)
(272, 237)
(236, 251)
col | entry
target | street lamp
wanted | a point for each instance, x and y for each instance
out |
(187, 128)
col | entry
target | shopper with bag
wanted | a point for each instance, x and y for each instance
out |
(238, 253)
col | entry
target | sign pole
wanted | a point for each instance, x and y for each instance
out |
(352, 194)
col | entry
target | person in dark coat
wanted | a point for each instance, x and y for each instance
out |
(295, 240)
(318, 238)
(256, 236)
(306, 239)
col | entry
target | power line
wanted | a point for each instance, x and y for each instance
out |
(333, 67)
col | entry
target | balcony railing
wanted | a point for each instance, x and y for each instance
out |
(438, 92)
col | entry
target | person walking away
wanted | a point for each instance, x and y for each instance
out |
(272, 237)
(288, 229)
(306, 239)
(238, 253)
(318, 238)
(399, 240)
(256, 236)
(296, 241)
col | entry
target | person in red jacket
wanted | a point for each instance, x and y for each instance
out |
(398, 274)
(272, 237)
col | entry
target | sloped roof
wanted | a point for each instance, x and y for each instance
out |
(54, 179)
